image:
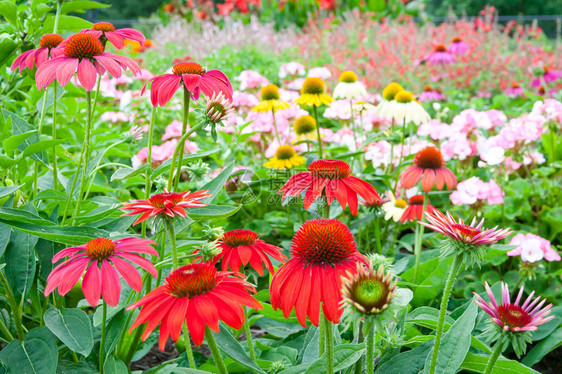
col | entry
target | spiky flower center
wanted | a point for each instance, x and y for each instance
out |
(428, 88)
(304, 125)
(192, 280)
(216, 107)
(165, 199)
(323, 241)
(188, 68)
(440, 48)
(238, 237)
(100, 248)
(391, 90)
(348, 77)
(330, 169)
(285, 152)
(370, 291)
(457, 40)
(466, 230)
(513, 315)
(515, 85)
(103, 26)
(83, 46)
(404, 97)
(400, 203)
(429, 158)
(313, 86)
(416, 200)
(269, 92)
(50, 41)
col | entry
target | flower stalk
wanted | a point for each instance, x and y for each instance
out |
(498, 348)
(148, 182)
(315, 109)
(103, 332)
(419, 238)
(328, 326)
(215, 351)
(188, 349)
(186, 97)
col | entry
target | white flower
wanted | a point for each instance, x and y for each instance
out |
(403, 109)
(393, 208)
(349, 90)
(531, 250)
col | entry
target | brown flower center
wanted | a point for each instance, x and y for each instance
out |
(313, 86)
(192, 280)
(188, 68)
(416, 200)
(429, 158)
(285, 152)
(103, 26)
(50, 41)
(82, 46)
(269, 92)
(440, 48)
(100, 248)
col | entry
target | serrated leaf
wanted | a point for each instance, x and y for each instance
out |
(13, 142)
(409, 362)
(72, 327)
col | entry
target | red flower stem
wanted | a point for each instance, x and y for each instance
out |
(275, 125)
(215, 351)
(102, 341)
(329, 346)
(148, 184)
(453, 273)
(419, 238)
(318, 131)
(498, 348)
(186, 97)
(188, 349)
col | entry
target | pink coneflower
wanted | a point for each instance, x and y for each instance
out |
(414, 209)
(514, 90)
(83, 54)
(440, 56)
(428, 166)
(512, 316)
(240, 247)
(458, 47)
(430, 94)
(167, 204)
(547, 76)
(193, 77)
(105, 31)
(102, 259)
(47, 49)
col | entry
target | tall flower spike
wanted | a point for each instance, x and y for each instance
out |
(469, 240)
(514, 320)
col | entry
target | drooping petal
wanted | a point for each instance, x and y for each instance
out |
(87, 74)
(91, 285)
(110, 284)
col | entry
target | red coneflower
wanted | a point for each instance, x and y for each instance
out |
(47, 49)
(323, 251)
(414, 209)
(165, 204)
(105, 31)
(198, 295)
(83, 54)
(511, 316)
(100, 258)
(428, 166)
(334, 179)
(240, 247)
(194, 78)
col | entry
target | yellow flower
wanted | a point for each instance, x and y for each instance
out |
(313, 92)
(285, 158)
(305, 128)
(269, 100)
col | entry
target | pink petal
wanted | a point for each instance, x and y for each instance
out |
(115, 39)
(91, 285)
(110, 284)
(66, 70)
(87, 74)
(128, 272)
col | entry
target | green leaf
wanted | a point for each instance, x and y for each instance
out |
(544, 347)
(345, 355)
(66, 22)
(5, 191)
(114, 365)
(18, 215)
(217, 184)
(376, 5)
(66, 235)
(212, 211)
(165, 167)
(455, 343)
(409, 362)
(20, 126)
(80, 6)
(41, 145)
(20, 262)
(126, 173)
(477, 363)
(309, 352)
(432, 273)
(5, 232)
(9, 10)
(72, 327)
(11, 143)
(46, 250)
(232, 348)
(37, 354)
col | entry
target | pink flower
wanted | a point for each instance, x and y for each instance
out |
(339, 109)
(435, 129)
(47, 49)
(173, 130)
(251, 79)
(296, 84)
(114, 117)
(291, 69)
(469, 120)
(440, 56)
(193, 77)
(514, 90)
(240, 99)
(547, 110)
(431, 95)
(496, 117)
(106, 31)
(319, 72)
(83, 54)
(288, 95)
(457, 146)
(378, 153)
(458, 47)
(102, 259)
(472, 190)
(532, 248)
(547, 77)
(494, 193)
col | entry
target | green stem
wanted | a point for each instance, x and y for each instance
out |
(453, 273)
(315, 109)
(248, 333)
(54, 136)
(186, 97)
(6, 332)
(173, 247)
(275, 125)
(176, 152)
(419, 238)
(215, 351)
(553, 143)
(370, 354)
(378, 233)
(498, 348)
(57, 16)
(39, 130)
(102, 341)
(329, 346)
(188, 349)
(96, 95)
(147, 183)
(86, 153)
(321, 334)
(16, 310)
(401, 155)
